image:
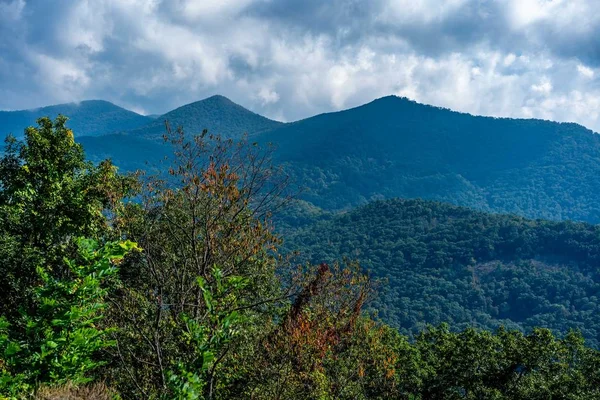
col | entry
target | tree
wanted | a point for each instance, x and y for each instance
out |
(203, 228)
(63, 336)
(508, 365)
(49, 198)
(49, 195)
(324, 347)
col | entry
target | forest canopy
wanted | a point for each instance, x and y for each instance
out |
(444, 263)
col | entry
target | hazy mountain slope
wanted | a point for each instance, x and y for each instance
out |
(394, 147)
(218, 114)
(87, 118)
(129, 153)
(133, 149)
(391, 147)
(450, 264)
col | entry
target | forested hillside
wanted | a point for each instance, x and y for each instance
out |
(444, 263)
(130, 153)
(391, 147)
(218, 114)
(115, 287)
(394, 147)
(87, 118)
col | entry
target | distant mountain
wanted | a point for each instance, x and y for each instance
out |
(393, 147)
(444, 263)
(218, 114)
(87, 118)
(133, 140)
(129, 153)
(137, 148)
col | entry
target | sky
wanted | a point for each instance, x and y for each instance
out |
(290, 59)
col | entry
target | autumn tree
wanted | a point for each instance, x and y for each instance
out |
(208, 261)
(325, 346)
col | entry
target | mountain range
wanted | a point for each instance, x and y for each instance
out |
(87, 118)
(394, 147)
(391, 147)
(468, 262)
(218, 114)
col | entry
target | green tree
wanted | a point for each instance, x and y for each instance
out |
(509, 365)
(64, 335)
(210, 337)
(49, 195)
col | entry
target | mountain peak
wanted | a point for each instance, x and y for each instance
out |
(218, 98)
(216, 101)
(95, 102)
(391, 97)
(216, 113)
(394, 100)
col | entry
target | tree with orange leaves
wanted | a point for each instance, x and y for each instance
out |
(208, 261)
(326, 347)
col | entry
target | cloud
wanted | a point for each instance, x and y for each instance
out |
(290, 59)
(268, 96)
(585, 71)
(543, 88)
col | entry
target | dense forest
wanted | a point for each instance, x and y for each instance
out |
(443, 263)
(394, 147)
(131, 286)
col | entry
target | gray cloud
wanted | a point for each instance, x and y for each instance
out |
(289, 59)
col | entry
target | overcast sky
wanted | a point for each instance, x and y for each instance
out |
(289, 59)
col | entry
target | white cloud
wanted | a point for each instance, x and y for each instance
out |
(544, 87)
(268, 96)
(519, 58)
(509, 59)
(585, 71)
(526, 12)
(65, 80)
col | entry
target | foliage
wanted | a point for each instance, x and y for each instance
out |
(508, 365)
(449, 264)
(211, 309)
(204, 227)
(318, 350)
(62, 338)
(49, 195)
(210, 339)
